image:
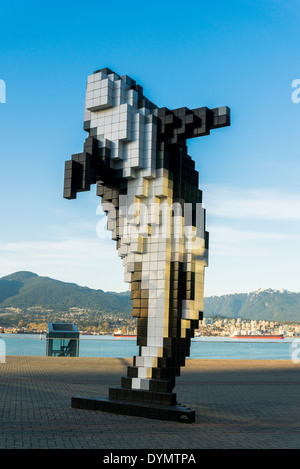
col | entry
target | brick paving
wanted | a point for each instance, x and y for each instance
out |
(239, 404)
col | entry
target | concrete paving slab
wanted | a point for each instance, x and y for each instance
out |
(239, 404)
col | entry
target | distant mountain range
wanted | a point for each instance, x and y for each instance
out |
(272, 305)
(26, 289)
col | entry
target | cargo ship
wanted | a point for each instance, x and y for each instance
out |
(253, 336)
(119, 334)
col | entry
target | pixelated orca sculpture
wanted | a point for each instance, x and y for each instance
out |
(136, 153)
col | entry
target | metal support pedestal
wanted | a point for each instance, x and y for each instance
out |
(176, 413)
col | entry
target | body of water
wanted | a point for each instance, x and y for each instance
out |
(202, 347)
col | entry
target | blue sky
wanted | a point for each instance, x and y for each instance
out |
(236, 53)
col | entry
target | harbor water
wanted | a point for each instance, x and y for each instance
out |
(126, 347)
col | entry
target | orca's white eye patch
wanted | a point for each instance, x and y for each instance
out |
(99, 93)
(117, 113)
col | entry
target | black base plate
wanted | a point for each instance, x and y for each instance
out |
(176, 413)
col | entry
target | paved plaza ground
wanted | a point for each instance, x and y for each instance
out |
(239, 404)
